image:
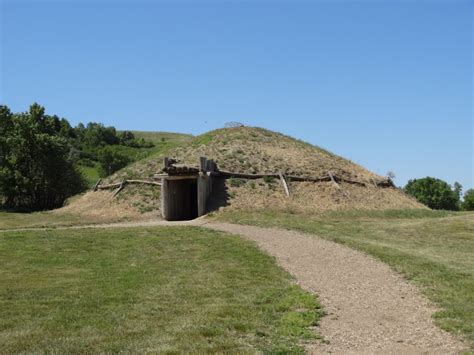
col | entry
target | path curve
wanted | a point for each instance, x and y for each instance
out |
(370, 308)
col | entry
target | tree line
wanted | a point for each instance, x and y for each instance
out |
(439, 195)
(40, 155)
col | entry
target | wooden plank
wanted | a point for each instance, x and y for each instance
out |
(96, 185)
(113, 186)
(202, 193)
(119, 188)
(336, 180)
(228, 174)
(333, 180)
(164, 199)
(284, 184)
(145, 182)
(208, 166)
(176, 177)
(213, 165)
(109, 186)
(202, 164)
(374, 182)
(224, 173)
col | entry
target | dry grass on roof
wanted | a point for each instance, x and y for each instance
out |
(255, 151)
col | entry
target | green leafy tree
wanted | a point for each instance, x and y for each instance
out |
(111, 160)
(435, 193)
(126, 136)
(7, 177)
(39, 152)
(468, 203)
(128, 139)
(36, 171)
(96, 134)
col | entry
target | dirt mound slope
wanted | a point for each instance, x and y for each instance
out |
(258, 151)
(135, 203)
(254, 150)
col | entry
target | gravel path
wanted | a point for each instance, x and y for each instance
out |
(371, 309)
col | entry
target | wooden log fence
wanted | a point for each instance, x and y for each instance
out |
(328, 178)
(209, 167)
(121, 185)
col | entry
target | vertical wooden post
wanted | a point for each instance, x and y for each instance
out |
(202, 193)
(202, 164)
(119, 188)
(210, 165)
(284, 184)
(96, 186)
(333, 180)
(164, 199)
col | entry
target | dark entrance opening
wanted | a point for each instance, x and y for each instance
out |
(181, 199)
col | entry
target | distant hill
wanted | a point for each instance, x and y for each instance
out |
(161, 141)
(160, 137)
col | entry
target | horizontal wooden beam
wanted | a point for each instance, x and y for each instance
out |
(126, 182)
(175, 177)
(329, 178)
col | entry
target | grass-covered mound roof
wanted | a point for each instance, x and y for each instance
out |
(256, 151)
(253, 150)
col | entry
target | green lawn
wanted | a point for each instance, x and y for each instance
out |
(162, 141)
(433, 249)
(170, 290)
(15, 220)
(159, 137)
(50, 219)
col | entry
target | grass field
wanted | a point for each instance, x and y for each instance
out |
(433, 249)
(174, 290)
(15, 220)
(162, 141)
(90, 173)
(159, 137)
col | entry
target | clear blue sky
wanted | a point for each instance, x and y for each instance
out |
(385, 84)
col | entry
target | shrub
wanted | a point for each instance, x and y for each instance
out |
(269, 179)
(236, 182)
(126, 136)
(96, 134)
(111, 160)
(136, 143)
